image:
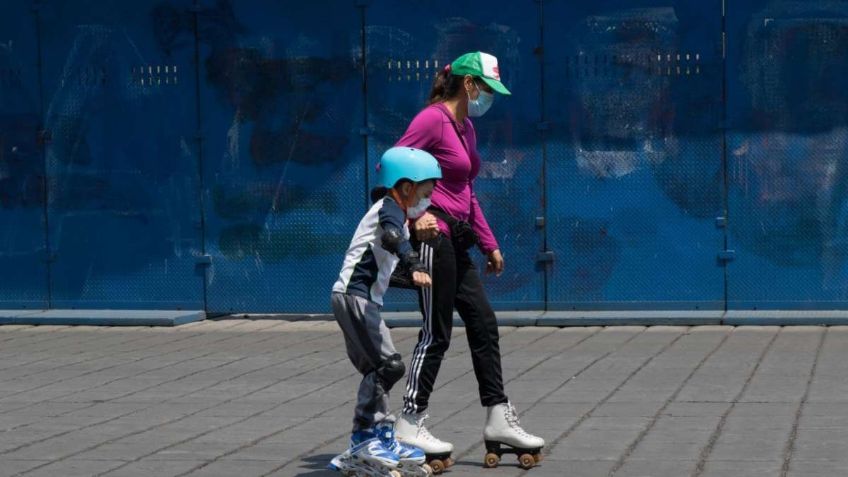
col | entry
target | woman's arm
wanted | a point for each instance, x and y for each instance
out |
(488, 243)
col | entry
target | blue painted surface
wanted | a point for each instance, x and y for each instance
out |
(787, 150)
(123, 190)
(23, 264)
(283, 158)
(633, 94)
(233, 180)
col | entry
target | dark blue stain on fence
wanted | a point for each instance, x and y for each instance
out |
(233, 202)
(619, 48)
(279, 112)
(787, 150)
(23, 281)
(634, 95)
(21, 204)
(280, 98)
(90, 190)
(618, 130)
(21, 169)
(595, 255)
(791, 68)
(120, 160)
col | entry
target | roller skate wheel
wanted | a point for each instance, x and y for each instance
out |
(449, 462)
(437, 466)
(538, 457)
(491, 460)
(526, 461)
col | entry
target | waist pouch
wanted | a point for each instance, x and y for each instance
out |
(463, 235)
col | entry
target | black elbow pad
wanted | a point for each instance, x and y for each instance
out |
(391, 240)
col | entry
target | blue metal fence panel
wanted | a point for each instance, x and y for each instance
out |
(122, 170)
(619, 129)
(633, 92)
(23, 265)
(407, 43)
(787, 150)
(283, 158)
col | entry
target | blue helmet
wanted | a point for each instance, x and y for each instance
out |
(407, 163)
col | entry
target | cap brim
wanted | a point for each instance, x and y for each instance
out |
(496, 85)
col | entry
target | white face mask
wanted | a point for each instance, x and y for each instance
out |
(418, 210)
(478, 107)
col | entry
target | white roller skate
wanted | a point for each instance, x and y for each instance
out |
(504, 435)
(366, 457)
(412, 459)
(410, 430)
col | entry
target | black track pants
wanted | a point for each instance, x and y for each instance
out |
(456, 283)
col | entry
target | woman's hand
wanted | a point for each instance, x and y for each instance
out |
(426, 227)
(495, 263)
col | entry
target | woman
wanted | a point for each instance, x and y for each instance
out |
(464, 88)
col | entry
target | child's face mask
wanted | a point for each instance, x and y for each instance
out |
(422, 192)
(418, 210)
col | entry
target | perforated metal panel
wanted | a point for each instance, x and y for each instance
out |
(281, 95)
(610, 156)
(787, 151)
(23, 265)
(407, 43)
(121, 163)
(633, 92)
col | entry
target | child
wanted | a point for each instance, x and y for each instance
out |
(381, 241)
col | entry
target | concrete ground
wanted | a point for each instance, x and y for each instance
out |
(256, 398)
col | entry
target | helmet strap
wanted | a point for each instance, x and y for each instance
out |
(396, 196)
(404, 203)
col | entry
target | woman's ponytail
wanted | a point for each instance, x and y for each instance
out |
(445, 86)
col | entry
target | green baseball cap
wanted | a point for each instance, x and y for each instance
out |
(483, 65)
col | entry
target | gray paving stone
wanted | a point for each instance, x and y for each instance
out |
(251, 397)
(821, 444)
(595, 444)
(656, 468)
(744, 468)
(12, 467)
(818, 468)
(230, 468)
(152, 467)
(750, 445)
(74, 468)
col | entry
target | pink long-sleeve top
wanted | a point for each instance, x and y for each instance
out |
(434, 130)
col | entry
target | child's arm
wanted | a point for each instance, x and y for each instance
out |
(392, 219)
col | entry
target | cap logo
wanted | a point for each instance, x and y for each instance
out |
(489, 66)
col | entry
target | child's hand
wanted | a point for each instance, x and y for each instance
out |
(421, 279)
